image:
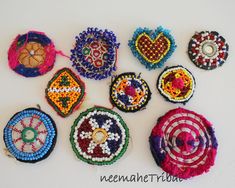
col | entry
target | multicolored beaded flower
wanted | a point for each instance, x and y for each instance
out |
(152, 47)
(129, 92)
(208, 50)
(183, 143)
(32, 54)
(65, 92)
(30, 135)
(95, 53)
(176, 84)
(99, 136)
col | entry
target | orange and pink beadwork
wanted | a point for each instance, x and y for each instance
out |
(176, 84)
(183, 143)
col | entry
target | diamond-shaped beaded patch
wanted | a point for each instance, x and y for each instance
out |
(65, 92)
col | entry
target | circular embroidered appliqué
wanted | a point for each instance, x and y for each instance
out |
(183, 143)
(65, 92)
(176, 84)
(32, 54)
(129, 92)
(30, 135)
(95, 53)
(152, 47)
(99, 136)
(208, 50)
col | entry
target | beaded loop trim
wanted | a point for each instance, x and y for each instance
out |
(129, 92)
(95, 53)
(30, 135)
(183, 143)
(65, 92)
(99, 136)
(176, 84)
(208, 50)
(152, 47)
(32, 54)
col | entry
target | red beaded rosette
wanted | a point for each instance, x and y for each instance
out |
(208, 50)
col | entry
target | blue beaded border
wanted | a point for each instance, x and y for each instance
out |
(152, 34)
(50, 141)
(84, 67)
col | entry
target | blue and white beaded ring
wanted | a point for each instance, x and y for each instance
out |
(95, 53)
(30, 135)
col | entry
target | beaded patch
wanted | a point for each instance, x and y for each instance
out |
(129, 92)
(176, 84)
(65, 92)
(95, 53)
(30, 135)
(152, 47)
(208, 50)
(183, 143)
(99, 136)
(32, 54)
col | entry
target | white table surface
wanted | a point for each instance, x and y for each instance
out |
(62, 21)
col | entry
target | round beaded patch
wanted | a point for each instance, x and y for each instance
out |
(183, 143)
(129, 92)
(208, 50)
(30, 135)
(95, 53)
(65, 92)
(99, 136)
(32, 54)
(176, 84)
(152, 47)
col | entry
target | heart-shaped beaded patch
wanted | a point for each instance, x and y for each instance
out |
(152, 47)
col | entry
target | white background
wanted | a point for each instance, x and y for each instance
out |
(62, 21)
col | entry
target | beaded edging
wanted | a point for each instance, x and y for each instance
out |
(176, 84)
(65, 92)
(30, 135)
(99, 136)
(208, 50)
(183, 143)
(95, 53)
(129, 92)
(32, 54)
(152, 47)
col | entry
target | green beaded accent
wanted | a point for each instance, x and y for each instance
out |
(64, 101)
(99, 162)
(24, 134)
(86, 51)
(64, 81)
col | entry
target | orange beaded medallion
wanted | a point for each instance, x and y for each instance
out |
(65, 92)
